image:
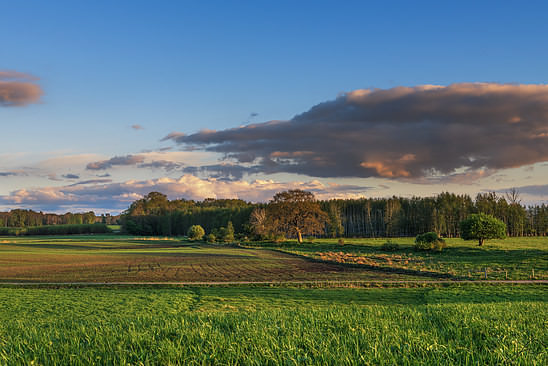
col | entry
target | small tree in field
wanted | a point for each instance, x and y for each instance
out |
(481, 227)
(196, 232)
(296, 213)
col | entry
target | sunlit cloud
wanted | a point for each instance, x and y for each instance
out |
(462, 131)
(105, 195)
(18, 89)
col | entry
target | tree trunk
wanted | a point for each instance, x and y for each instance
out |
(481, 240)
(299, 237)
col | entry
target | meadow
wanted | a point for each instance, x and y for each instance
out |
(257, 325)
(514, 258)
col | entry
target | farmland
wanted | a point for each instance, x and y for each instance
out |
(128, 259)
(114, 299)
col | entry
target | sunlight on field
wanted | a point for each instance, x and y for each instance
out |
(264, 325)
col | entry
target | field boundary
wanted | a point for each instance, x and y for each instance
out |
(303, 282)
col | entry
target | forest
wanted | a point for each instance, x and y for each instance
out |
(367, 217)
(19, 218)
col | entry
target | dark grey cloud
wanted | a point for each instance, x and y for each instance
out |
(8, 174)
(161, 164)
(91, 181)
(116, 161)
(71, 176)
(222, 171)
(18, 89)
(400, 133)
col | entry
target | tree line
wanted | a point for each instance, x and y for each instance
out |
(20, 218)
(367, 217)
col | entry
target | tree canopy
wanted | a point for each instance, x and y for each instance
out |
(481, 227)
(295, 213)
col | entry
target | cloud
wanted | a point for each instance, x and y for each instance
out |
(116, 161)
(401, 133)
(8, 174)
(18, 89)
(161, 164)
(105, 195)
(91, 181)
(137, 127)
(71, 176)
(540, 190)
(225, 171)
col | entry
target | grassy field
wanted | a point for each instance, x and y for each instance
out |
(112, 258)
(511, 258)
(290, 324)
(469, 325)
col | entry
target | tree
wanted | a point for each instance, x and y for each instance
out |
(295, 213)
(481, 227)
(196, 232)
(258, 222)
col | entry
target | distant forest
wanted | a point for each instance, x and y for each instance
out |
(29, 218)
(366, 217)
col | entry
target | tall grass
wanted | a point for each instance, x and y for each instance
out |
(204, 326)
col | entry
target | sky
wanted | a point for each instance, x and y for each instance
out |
(102, 102)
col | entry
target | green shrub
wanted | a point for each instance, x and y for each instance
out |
(429, 241)
(389, 246)
(211, 238)
(196, 232)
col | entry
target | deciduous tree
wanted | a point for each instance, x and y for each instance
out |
(295, 213)
(481, 227)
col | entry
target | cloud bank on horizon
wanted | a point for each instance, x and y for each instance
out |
(103, 193)
(461, 130)
(18, 89)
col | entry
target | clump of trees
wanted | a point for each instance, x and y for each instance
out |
(25, 218)
(154, 214)
(481, 227)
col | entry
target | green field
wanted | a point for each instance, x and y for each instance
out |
(325, 303)
(511, 258)
(481, 324)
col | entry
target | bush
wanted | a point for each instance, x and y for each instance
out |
(341, 241)
(196, 232)
(389, 246)
(429, 241)
(211, 238)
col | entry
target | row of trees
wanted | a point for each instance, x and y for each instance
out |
(28, 218)
(367, 217)
(398, 216)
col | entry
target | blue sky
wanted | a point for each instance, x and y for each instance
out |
(186, 66)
